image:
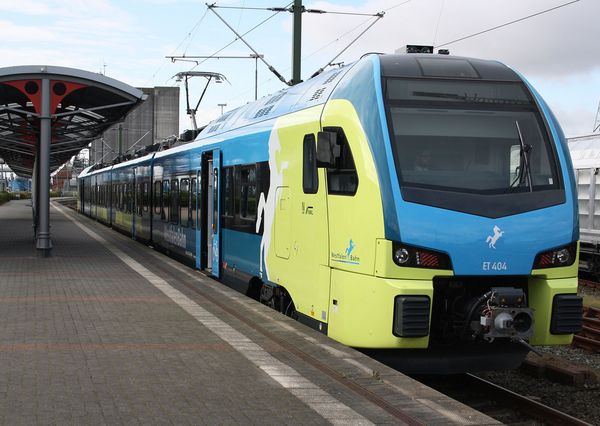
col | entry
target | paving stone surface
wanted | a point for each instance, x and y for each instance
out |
(85, 339)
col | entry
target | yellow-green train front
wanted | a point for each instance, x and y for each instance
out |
(418, 202)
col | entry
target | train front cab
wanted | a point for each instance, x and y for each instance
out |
(481, 275)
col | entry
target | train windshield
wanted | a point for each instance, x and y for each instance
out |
(482, 138)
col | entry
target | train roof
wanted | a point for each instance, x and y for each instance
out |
(314, 91)
(85, 172)
(317, 90)
(445, 66)
(585, 151)
(89, 171)
(133, 161)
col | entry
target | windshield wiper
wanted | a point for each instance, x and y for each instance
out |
(524, 168)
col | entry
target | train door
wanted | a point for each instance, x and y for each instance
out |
(301, 232)
(111, 200)
(80, 201)
(94, 191)
(196, 191)
(215, 214)
(134, 202)
(209, 212)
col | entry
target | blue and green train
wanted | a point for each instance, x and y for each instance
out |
(422, 202)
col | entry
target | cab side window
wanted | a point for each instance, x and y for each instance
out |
(310, 179)
(342, 178)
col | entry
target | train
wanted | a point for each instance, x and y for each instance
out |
(418, 206)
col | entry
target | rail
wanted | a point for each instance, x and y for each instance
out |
(589, 337)
(496, 401)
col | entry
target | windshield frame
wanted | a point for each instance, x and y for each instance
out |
(490, 205)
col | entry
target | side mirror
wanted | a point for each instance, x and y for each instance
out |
(327, 149)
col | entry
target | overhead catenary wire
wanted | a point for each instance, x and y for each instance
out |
(268, 80)
(234, 40)
(507, 23)
(320, 70)
(337, 39)
(278, 10)
(189, 34)
(437, 25)
(240, 37)
(396, 5)
(288, 9)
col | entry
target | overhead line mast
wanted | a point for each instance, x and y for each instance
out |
(258, 55)
(297, 9)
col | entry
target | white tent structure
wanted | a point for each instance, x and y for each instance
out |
(585, 151)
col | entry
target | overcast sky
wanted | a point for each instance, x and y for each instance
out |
(556, 51)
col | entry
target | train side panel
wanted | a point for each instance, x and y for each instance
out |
(173, 217)
(122, 185)
(295, 242)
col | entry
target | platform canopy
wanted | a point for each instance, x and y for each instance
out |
(82, 106)
(47, 115)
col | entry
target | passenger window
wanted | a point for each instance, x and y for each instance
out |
(310, 179)
(145, 196)
(247, 193)
(184, 202)
(129, 197)
(175, 201)
(193, 204)
(166, 201)
(228, 195)
(342, 179)
(157, 197)
(138, 199)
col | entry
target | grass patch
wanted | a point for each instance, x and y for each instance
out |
(7, 196)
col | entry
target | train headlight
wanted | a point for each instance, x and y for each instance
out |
(558, 257)
(401, 256)
(563, 257)
(416, 257)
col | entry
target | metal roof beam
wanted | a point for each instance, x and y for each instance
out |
(10, 149)
(64, 114)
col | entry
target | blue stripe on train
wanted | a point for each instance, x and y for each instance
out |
(241, 250)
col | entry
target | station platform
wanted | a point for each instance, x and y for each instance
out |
(108, 331)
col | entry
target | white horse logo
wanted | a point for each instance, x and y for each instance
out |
(492, 240)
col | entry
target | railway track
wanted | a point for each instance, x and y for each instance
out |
(589, 338)
(497, 402)
(588, 283)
